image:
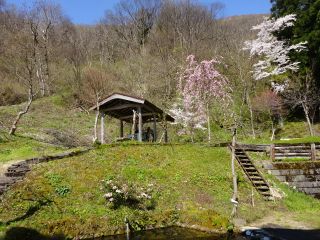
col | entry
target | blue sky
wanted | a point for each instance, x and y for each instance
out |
(90, 11)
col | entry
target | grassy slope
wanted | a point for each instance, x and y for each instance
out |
(292, 132)
(193, 186)
(48, 115)
(17, 148)
(191, 178)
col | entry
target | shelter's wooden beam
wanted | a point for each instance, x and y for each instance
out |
(102, 127)
(139, 125)
(130, 116)
(123, 106)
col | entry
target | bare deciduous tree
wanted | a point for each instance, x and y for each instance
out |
(97, 86)
(25, 70)
(132, 22)
(270, 104)
(302, 92)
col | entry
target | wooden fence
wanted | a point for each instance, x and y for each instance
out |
(310, 151)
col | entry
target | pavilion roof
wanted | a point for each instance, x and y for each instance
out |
(121, 106)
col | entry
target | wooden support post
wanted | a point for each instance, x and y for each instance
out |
(140, 125)
(102, 127)
(272, 152)
(121, 128)
(234, 174)
(165, 130)
(313, 152)
(154, 128)
(252, 197)
(133, 130)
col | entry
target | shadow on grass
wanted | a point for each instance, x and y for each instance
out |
(21, 233)
(31, 210)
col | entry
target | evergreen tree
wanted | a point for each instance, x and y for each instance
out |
(307, 28)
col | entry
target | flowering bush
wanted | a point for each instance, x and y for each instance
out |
(123, 194)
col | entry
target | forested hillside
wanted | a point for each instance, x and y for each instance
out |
(251, 80)
(140, 48)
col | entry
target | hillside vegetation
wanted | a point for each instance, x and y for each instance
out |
(178, 55)
(191, 184)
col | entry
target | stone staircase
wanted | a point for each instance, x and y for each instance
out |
(256, 178)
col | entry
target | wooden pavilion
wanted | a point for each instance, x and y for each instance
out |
(127, 108)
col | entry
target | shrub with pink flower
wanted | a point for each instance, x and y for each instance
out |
(130, 195)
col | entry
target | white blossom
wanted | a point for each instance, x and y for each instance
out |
(275, 52)
(108, 195)
(279, 87)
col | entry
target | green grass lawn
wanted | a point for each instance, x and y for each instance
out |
(16, 148)
(192, 185)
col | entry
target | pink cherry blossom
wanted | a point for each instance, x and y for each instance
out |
(199, 85)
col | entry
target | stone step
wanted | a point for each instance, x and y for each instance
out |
(247, 164)
(260, 183)
(6, 181)
(242, 156)
(263, 188)
(18, 169)
(266, 193)
(250, 169)
(2, 189)
(15, 174)
(255, 178)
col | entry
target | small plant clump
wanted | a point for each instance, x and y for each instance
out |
(130, 195)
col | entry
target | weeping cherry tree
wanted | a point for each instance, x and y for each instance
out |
(199, 85)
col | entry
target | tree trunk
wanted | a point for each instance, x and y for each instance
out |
(41, 80)
(234, 175)
(46, 59)
(21, 113)
(209, 129)
(273, 131)
(251, 117)
(306, 113)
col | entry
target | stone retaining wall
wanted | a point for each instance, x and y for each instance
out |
(304, 176)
